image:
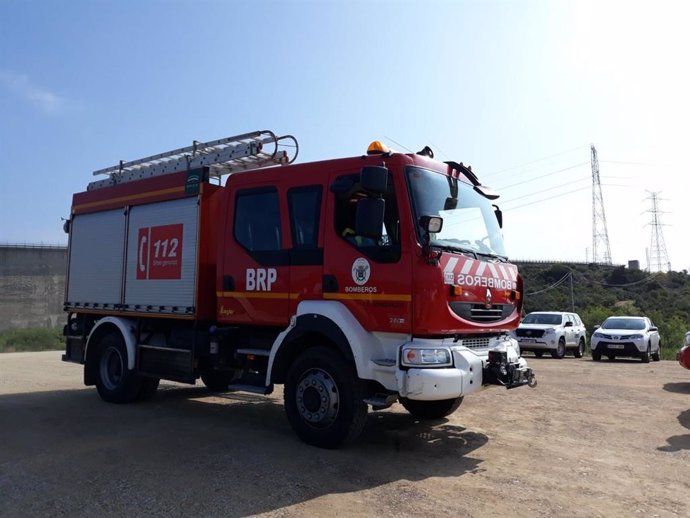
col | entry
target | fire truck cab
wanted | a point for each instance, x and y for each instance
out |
(353, 282)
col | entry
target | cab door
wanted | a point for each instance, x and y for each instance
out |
(255, 280)
(370, 275)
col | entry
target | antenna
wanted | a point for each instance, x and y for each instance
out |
(658, 257)
(601, 250)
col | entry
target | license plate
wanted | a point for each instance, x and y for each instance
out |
(616, 346)
(527, 340)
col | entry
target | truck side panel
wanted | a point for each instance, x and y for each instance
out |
(95, 262)
(162, 254)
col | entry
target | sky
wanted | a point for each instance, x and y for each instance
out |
(520, 90)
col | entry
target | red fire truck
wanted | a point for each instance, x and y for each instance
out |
(353, 282)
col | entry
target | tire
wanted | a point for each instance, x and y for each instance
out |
(580, 351)
(114, 381)
(148, 388)
(645, 355)
(431, 409)
(538, 354)
(559, 352)
(657, 355)
(596, 356)
(324, 399)
(217, 381)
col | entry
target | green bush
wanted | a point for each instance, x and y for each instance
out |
(35, 339)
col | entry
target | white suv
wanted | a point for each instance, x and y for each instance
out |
(552, 331)
(626, 336)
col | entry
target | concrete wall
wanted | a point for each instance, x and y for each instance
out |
(32, 286)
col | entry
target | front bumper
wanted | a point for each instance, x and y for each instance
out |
(470, 373)
(619, 348)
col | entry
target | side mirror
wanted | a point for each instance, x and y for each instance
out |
(653, 328)
(431, 224)
(596, 327)
(374, 179)
(369, 217)
(568, 324)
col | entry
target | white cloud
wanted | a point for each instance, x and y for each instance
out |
(21, 85)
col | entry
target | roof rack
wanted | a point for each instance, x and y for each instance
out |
(244, 152)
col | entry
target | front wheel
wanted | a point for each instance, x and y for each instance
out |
(559, 351)
(580, 351)
(596, 356)
(431, 409)
(324, 399)
(645, 355)
(115, 382)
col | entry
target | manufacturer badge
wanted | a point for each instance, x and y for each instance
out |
(487, 300)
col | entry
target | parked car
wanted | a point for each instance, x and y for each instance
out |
(553, 331)
(683, 356)
(626, 336)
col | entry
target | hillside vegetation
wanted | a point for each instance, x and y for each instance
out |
(597, 291)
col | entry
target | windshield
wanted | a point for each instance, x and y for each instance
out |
(623, 323)
(542, 318)
(469, 220)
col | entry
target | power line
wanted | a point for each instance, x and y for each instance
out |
(542, 176)
(534, 161)
(548, 199)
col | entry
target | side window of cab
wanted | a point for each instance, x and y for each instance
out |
(348, 194)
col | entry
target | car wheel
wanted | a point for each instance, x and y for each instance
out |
(580, 351)
(645, 355)
(538, 354)
(596, 356)
(559, 352)
(324, 398)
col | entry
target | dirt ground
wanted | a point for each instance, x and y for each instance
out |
(593, 439)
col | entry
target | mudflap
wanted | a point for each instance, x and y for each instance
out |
(508, 375)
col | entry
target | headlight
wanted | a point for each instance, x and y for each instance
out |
(420, 357)
(636, 337)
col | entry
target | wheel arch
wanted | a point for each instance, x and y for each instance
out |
(126, 328)
(310, 330)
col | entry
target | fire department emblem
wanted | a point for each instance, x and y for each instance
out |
(360, 271)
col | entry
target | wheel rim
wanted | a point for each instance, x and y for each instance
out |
(561, 348)
(317, 398)
(581, 348)
(111, 368)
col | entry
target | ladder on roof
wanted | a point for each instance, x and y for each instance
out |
(229, 155)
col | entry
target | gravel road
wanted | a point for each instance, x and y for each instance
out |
(592, 440)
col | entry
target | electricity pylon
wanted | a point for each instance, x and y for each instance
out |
(658, 257)
(601, 250)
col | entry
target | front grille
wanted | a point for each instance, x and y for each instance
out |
(475, 343)
(529, 333)
(480, 313)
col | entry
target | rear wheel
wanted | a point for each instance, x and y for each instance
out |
(115, 382)
(580, 351)
(559, 352)
(431, 409)
(324, 398)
